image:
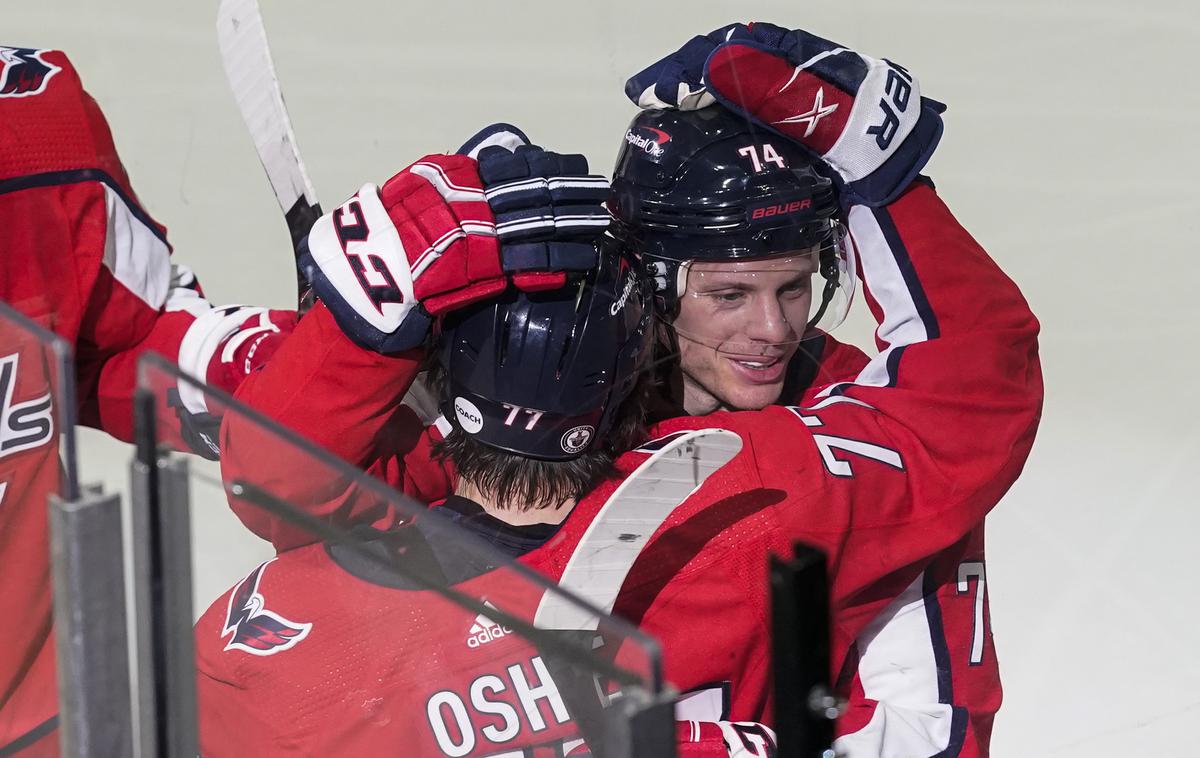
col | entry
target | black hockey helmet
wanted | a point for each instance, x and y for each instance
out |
(709, 185)
(542, 374)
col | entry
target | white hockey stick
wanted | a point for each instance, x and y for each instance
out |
(251, 74)
(625, 523)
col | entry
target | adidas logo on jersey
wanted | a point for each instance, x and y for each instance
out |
(484, 630)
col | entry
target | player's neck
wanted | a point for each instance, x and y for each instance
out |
(698, 401)
(538, 513)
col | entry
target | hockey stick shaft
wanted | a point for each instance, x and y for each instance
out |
(246, 57)
(626, 522)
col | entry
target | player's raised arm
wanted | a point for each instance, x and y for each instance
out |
(383, 258)
(953, 398)
(913, 449)
(387, 264)
(81, 253)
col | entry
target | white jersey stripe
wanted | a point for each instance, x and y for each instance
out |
(902, 324)
(898, 669)
(134, 253)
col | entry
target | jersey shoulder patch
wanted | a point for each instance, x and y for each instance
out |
(252, 627)
(24, 72)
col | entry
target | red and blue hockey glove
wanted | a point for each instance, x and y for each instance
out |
(220, 348)
(387, 261)
(865, 118)
(548, 208)
(451, 230)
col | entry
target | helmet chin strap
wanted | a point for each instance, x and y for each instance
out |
(829, 272)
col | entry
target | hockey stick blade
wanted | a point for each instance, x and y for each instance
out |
(627, 521)
(250, 70)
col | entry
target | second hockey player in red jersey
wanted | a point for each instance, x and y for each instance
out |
(925, 679)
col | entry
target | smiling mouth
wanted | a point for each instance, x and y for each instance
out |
(758, 360)
(758, 364)
(759, 369)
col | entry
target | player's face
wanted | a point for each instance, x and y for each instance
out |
(739, 325)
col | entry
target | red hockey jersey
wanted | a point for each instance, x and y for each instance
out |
(29, 469)
(81, 257)
(306, 657)
(922, 679)
(882, 471)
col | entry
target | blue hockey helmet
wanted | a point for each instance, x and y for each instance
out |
(709, 185)
(543, 374)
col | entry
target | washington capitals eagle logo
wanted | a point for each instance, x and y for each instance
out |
(23, 72)
(256, 630)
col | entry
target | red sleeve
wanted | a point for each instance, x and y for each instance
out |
(78, 247)
(923, 653)
(53, 126)
(74, 227)
(910, 454)
(956, 391)
(345, 399)
(77, 243)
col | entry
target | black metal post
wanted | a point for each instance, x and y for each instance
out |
(804, 705)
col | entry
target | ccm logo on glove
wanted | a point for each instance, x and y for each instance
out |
(370, 270)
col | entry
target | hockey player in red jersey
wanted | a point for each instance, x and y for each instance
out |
(924, 679)
(81, 257)
(435, 671)
(279, 634)
(944, 693)
(888, 468)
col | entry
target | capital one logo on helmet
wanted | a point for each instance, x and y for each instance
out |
(651, 146)
(468, 414)
(620, 303)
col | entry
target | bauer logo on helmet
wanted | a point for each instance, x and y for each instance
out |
(780, 209)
